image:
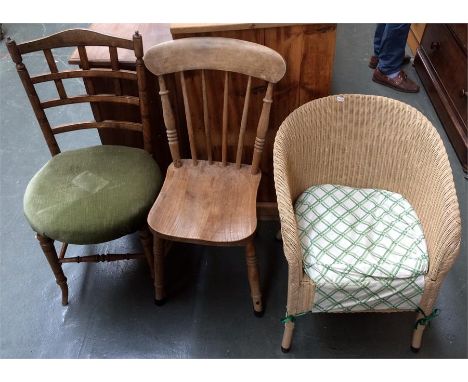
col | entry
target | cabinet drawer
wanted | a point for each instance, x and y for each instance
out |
(449, 62)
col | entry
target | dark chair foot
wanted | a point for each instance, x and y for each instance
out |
(160, 302)
(414, 350)
(284, 350)
(259, 314)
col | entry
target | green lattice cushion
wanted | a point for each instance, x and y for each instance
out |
(364, 248)
(92, 195)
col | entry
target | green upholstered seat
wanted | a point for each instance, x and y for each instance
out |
(92, 195)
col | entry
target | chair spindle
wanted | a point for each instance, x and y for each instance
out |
(169, 121)
(245, 113)
(206, 120)
(188, 118)
(225, 119)
(262, 129)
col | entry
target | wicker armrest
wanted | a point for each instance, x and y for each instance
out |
(289, 232)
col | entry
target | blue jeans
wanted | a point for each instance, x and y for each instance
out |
(389, 46)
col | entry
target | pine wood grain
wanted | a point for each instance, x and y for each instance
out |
(206, 204)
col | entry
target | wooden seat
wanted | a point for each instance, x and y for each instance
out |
(207, 201)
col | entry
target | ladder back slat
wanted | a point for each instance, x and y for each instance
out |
(103, 73)
(225, 119)
(245, 112)
(130, 100)
(115, 66)
(188, 118)
(262, 129)
(206, 120)
(169, 121)
(106, 124)
(53, 69)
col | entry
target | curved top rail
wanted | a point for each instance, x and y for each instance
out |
(74, 37)
(216, 53)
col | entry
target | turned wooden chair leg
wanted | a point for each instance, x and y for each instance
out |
(146, 239)
(287, 336)
(418, 332)
(254, 279)
(48, 248)
(160, 293)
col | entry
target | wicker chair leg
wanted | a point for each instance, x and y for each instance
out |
(146, 240)
(160, 293)
(254, 279)
(50, 253)
(287, 336)
(418, 332)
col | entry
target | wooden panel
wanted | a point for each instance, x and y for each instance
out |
(449, 62)
(317, 61)
(439, 61)
(459, 31)
(177, 29)
(99, 56)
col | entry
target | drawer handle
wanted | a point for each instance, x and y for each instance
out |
(463, 93)
(435, 45)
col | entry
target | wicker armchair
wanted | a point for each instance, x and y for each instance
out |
(365, 141)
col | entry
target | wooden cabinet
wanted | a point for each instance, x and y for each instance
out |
(308, 50)
(442, 66)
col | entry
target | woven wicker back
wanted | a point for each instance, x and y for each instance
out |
(369, 141)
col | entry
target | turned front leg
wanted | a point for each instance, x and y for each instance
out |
(146, 240)
(254, 279)
(160, 293)
(50, 253)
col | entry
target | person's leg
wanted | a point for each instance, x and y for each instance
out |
(379, 31)
(392, 48)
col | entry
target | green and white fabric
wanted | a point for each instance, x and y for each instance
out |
(363, 248)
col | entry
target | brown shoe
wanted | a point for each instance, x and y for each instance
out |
(374, 61)
(401, 82)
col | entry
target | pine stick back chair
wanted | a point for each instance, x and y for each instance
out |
(207, 201)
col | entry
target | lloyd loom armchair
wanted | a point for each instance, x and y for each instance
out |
(330, 155)
(94, 194)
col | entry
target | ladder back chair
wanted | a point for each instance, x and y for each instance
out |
(95, 194)
(206, 201)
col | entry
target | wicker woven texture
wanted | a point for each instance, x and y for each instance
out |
(366, 141)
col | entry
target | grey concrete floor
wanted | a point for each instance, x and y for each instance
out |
(111, 312)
